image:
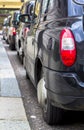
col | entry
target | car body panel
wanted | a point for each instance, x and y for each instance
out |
(65, 85)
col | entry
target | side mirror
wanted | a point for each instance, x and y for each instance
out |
(79, 2)
(25, 18)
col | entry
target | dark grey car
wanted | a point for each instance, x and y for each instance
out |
(54, 56)
(14, 23)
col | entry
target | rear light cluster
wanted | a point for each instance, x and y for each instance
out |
(67, 47)
(26, 30)
(14, 31)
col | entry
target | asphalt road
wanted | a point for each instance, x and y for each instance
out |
(72, 120)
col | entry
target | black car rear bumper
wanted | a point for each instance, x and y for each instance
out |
(65, 90)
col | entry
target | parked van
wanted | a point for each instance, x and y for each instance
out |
(54, 56)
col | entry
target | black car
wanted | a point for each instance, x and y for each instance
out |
(54, 56)
(14, 24)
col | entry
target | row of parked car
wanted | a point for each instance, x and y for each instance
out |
(49, 37)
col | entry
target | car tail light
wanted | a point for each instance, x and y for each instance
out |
(14, 31)
(25, 31)
(67, 47)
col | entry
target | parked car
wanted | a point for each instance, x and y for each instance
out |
(7, 28)
(23, 29)
(4, 28)
(54, 56)
(14, 23)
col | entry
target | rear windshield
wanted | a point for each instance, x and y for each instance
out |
(61, 8)
(74, 9)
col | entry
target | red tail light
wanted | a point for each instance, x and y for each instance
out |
(67, 47)
(14, 31)
(25, 31)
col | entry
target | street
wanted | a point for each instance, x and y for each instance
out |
(73, 120)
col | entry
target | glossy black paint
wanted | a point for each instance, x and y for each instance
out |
(65, 85)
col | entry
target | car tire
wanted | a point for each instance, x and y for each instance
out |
(17, 53)
(12, 47)
(22, 58)
(27, 76)
(7, 41)
(24, 62)
(51, 114)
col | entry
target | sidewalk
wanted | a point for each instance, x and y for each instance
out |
(12, 112)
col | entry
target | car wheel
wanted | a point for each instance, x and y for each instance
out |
(7, 41)
(27, 76)
(51, 114)
(17, 53)
(22, 57)
(12, 47)
(24, 62)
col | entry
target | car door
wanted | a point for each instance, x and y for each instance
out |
(30, 44)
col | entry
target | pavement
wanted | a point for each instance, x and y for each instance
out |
(12, 111)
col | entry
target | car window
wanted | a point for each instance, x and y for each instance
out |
(53, 9)
(46, 5)
(37, 7)
(18, 17)
(5, 22)
(74, 9)
(9, 20)
(30, 8)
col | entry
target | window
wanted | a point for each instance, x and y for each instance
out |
(44, 6)
(37, 7)
(74, 9)
(47, 5)
(30, 8)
